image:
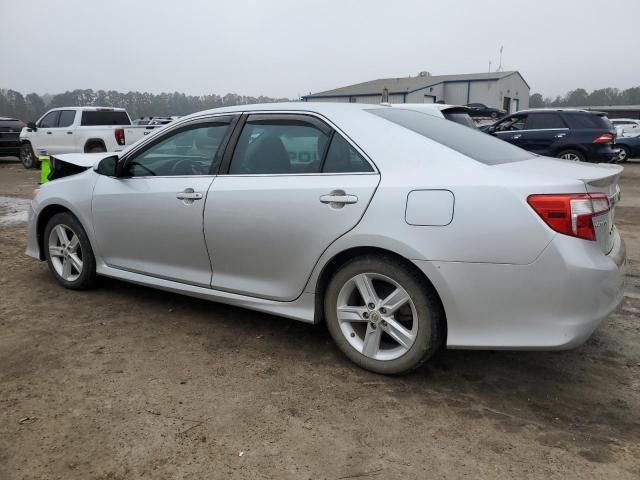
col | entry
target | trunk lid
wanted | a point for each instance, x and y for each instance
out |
(597, 178)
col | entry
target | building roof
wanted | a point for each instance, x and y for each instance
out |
(408, 84)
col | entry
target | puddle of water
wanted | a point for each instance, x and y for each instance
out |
(13, 210)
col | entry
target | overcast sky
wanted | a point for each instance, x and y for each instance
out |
(286, 48)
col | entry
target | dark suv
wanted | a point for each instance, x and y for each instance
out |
(564, 133)
(9, 136)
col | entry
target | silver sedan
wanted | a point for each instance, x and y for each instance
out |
(404, 232)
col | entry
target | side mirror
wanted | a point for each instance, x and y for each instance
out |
(32, 126)
(108, 166)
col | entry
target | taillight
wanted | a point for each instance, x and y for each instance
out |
(604, 138)
(570, 214)
(119, 133)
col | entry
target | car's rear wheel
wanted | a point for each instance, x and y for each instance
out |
(571, 155)
(68, 252)
(382, 315)
(494, 115)
(624, 153)
(27, 157)
(96, 148)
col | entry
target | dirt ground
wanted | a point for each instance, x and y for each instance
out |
(126, 382)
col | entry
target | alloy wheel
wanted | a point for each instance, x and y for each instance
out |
(571, 157)
(377, 316)
(622, 155)
(65, 252)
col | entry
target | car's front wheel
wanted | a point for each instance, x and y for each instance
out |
(27, 157)
(68, 252)
(623, 154)
(382, 315)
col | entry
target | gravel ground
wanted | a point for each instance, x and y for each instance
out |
(127, 382)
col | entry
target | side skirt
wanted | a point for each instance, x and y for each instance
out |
(301, 309)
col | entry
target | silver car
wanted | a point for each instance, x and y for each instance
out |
(404, 232)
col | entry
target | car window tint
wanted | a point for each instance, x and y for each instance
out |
(278, 147)
(66, 118)
(187, 152)
(50, 120)
(539, 121)
(512, 123)
(343, 158)
(587, 120)
(100, 117)
(472, 143)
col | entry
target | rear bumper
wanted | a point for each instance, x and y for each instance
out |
(601, 153)
(554, 303)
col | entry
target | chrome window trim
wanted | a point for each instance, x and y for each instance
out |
(533, 130)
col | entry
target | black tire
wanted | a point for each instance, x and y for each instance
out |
(494, 115)
(87, 277)
(572, 155)
(96, 149)
(27, 157)
(624, 154)
(431, 330)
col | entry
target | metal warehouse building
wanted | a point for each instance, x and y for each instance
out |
(506, 90)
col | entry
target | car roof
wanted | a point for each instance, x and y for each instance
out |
(566, 110)
(91, 109)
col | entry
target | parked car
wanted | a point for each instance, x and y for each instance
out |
(454, 113)
(625, 125)
(160, 120)
(578, 135)
(482, 110)
(77, 130)
(9, 136)
(345, 212)
(629, 146)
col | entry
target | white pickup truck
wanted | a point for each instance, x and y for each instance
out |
(79, 130)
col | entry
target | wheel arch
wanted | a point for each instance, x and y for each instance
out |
(93, 142)
(43, 218)
(340, 258)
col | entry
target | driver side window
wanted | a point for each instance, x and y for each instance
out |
(188, 151)
(513, 123)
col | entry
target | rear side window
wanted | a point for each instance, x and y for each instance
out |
(587, 120)
(474, 144)
(541, 121)
(278, 146)
(93, 118)
(343, 158)
(66, 118)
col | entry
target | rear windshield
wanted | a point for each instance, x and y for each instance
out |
(480, 146)
(587, 120)
(90, 118)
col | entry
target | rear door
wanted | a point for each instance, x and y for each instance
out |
(62, 138)
(290, 187)
(544, 133)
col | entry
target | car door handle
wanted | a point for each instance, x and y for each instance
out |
(49, 133)
(338, 198)
(189, 194)
(560, 135)
(515, 137)
(69, 133)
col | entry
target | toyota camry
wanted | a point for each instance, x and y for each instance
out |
(404, 232)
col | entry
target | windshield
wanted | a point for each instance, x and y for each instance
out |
(472, 143)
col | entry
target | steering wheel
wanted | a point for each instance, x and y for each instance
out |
(192, 166)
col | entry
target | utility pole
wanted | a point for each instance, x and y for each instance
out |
(500, 66)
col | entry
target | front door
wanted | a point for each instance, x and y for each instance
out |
(61, 138)
(292, 187)
(511, 129)
(149, 219)
(42, 138)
